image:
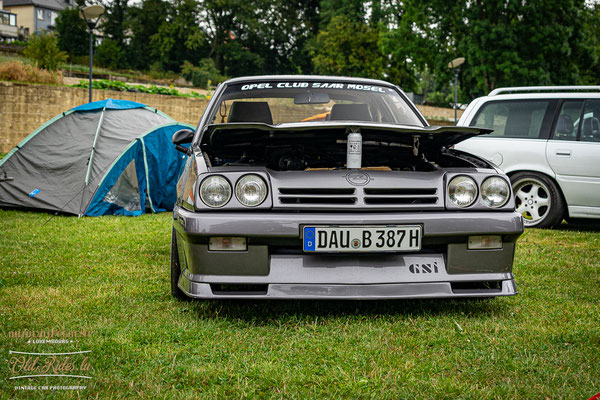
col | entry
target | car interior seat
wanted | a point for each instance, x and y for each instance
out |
(564, 127)
(246, 111)
(591, 130)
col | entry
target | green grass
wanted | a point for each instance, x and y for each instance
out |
(110, 276)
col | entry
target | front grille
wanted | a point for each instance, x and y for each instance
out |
(317, 192)
(401, 196)
(317, 196)
(400, 191)
(333, 191)
(317, 200)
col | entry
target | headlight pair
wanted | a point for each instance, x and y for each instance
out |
(463, 191)
(250, 190)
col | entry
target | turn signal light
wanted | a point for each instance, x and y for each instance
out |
(227, 243)
(485, 242)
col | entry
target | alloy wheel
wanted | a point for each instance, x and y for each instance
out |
(533, 200)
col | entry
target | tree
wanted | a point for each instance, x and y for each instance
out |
(239, 61)
(347, 48)
(72, 33)
(353, 10)
(114, 22)
(179, 37)
(110, 55)
(43, 49)
(266, 36)
(146, 18)
(505, 42)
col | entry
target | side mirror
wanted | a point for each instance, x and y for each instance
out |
(183, 136)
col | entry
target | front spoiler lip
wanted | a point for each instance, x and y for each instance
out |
(298, 291)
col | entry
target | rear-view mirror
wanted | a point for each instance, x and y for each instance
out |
(311, 98)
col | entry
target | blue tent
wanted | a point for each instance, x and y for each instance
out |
(105, 157)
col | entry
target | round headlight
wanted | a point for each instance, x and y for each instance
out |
(215, 191)
(462, 190)
(251, 190)
(495, 191)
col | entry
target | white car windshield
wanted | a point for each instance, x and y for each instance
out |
(291, 101)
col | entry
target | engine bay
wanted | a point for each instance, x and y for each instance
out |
(304, 150)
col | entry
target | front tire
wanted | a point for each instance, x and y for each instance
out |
(175, 269)
(538, 200)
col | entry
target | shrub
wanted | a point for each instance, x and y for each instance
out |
(203, 74)
(43, 49)
(18, 71)
(110, 55)
(124, 87)
(440, 99)
(16, 43)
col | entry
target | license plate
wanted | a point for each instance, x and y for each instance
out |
(337, 239)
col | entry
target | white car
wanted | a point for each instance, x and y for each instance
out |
(547, 140)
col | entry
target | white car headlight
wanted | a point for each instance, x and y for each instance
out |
(251, 190)
(495, 191)
(462, 190)
(215, 191)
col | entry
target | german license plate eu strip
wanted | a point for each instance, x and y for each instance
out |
(338, 239)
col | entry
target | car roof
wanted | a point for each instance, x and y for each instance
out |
(262, 78)
(554, 95)
(544, 92)
(546, 89)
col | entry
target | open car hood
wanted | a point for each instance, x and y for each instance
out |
(429, 138)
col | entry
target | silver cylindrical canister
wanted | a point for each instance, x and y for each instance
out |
(354, 152)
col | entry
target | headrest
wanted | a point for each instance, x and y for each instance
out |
(256, 111)
(350, 112)
(564, 124)
(591, 126)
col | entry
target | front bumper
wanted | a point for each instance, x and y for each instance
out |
(274, 265)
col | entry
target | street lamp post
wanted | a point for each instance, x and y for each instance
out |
(455, 65)
(91, 15)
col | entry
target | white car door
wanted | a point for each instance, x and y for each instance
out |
(516, 143)
(573, 153)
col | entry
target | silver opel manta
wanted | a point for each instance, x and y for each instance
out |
(317, 187)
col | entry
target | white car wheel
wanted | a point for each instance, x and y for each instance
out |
(537, 199)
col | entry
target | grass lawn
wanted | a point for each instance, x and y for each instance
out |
(109, 277)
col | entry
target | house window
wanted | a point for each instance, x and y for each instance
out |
(40, 14)
(8, 19)
(52, 18)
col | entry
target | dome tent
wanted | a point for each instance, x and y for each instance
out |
(105, 157)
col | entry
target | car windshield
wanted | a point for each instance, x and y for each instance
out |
(291, 101)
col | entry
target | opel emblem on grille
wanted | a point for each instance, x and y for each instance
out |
(358, 178)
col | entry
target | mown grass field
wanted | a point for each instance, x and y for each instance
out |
(109, 276)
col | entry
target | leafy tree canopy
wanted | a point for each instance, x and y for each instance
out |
(504, 42)
(72, 33)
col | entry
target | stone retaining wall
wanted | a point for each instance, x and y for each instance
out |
(24, 107)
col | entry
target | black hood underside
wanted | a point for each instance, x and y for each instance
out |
(324, 144)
